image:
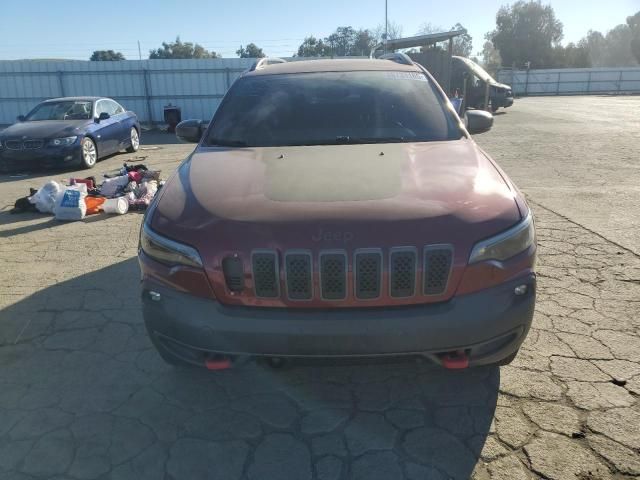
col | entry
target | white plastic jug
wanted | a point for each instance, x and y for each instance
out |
(117, 205)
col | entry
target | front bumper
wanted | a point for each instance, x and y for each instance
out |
(45, 157)
(489, 326)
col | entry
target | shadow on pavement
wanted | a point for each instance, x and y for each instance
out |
(76, 364)
(158, 137)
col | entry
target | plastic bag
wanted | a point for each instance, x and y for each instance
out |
(111, 185)
(70, 203)
(45, 198)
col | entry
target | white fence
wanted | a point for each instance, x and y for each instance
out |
(145, 86)
(579, 81)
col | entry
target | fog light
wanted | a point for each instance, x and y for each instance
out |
(155, 296)
(68, 158)
(520, 290)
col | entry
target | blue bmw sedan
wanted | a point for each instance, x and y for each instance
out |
(69, 132)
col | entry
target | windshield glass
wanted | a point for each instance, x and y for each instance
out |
(331, 108)
(65, 110)
(478, 70)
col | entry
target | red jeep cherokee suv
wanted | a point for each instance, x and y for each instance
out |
(338, 208)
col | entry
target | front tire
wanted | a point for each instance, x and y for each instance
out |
(88, 152)
(134, 137)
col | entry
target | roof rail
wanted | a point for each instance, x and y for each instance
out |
(263, 62)
(397, 57)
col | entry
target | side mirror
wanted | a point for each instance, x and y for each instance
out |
(189, 131)
(478, 121)
(103, 116)
(21, 118)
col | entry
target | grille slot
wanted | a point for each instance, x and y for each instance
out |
(233, 273)
(333, 275)
(437, 268)
(368, 273)
(265, 273)
(298, 272)
(33, 144)
(402, 272)
(13, 144)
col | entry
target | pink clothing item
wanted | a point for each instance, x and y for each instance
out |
(135, 176)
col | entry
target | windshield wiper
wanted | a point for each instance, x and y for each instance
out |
(355, 140)
(215, 142)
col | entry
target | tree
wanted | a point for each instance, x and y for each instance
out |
(526, 32)
(571, 56)
(618, 47)
(313, 47)
(634, 24)
(179, 49)
(595, 45)
(394, 30)
(463, 44)
(341, 41)
(490, 57)
(106, 56)
(363, 43)
(250, 51)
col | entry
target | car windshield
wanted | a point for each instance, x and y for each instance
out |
(64, 110)
(478, 70)
(332, 108)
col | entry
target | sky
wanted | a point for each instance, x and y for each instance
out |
(59, 29)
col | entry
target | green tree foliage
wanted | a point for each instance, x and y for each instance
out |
(527, 32)
(616, 48)
(180, 49)
(313, 47)
(571, 56)
(634, 24)
(250, 51)
(490, 57)
(463, 44)
(345, 41)
(106, 56)
(596, 45)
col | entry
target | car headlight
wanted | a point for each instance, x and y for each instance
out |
(63, 142)
(167, 251)
(507, 244)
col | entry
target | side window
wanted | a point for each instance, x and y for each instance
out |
(114, 107)
(119, 108)
(101, 106)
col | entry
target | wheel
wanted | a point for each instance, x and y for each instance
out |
(89, 153)
(494, 109)
(135, 141)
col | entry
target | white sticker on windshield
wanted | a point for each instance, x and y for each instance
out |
(420, 77)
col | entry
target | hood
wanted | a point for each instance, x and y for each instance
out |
(231, 202)
(45, 129)
(442, 189)
(495, 83)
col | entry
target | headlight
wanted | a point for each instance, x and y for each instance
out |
(63, 142)
(167, 251)
(507, 244)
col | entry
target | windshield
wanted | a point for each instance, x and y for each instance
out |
(332, 108)
(65, 110)
(478, 70)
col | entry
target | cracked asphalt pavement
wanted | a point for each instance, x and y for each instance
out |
(84, 396)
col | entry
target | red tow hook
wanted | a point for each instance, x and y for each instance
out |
(217, 363)
(455, 360)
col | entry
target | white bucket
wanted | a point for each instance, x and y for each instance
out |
(117, 205)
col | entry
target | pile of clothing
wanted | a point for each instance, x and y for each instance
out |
(132, 187)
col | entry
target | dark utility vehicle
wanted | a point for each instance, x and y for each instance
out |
(500, 95)
(338, 208)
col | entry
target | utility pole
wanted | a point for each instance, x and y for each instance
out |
(139, 51)
(386, 25)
